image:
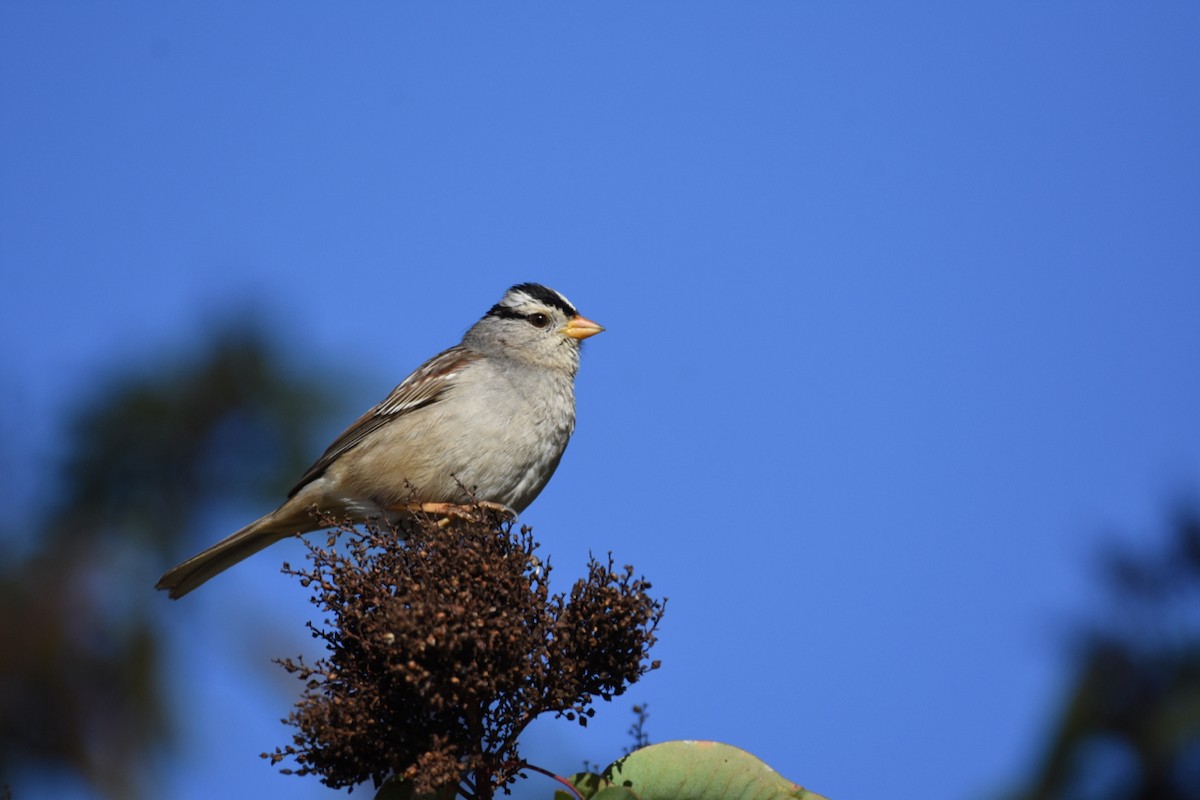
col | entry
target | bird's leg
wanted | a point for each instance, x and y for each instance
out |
(481, 511)
(470, 512)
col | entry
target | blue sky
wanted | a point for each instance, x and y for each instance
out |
(901, 304)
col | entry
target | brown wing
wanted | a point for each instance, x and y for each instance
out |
(424, 386)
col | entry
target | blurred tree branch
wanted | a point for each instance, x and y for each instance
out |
(1130, 728)
(149, 453)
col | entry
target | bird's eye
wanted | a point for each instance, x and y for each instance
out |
(538, 320)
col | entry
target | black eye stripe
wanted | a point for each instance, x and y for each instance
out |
(504, 312)
(537, 319)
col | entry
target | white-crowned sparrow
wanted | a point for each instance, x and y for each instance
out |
(486, 420)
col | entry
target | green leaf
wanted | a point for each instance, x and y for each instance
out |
(586, 783)
(688, 770)
(617, 793)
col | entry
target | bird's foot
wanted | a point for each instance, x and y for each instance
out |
(480, 512)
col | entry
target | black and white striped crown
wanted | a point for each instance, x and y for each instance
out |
(522, 298)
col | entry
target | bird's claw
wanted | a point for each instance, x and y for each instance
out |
(479, 512)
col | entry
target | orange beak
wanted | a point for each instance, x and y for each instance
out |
(581, 328)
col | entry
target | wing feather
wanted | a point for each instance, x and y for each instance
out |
(426, 385)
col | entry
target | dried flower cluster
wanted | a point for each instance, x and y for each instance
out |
(445, 643)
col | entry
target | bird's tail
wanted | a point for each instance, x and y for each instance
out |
(183, 578)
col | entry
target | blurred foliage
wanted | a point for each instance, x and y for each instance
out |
(1130, 729)
(149, 455)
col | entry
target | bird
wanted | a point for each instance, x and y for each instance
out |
(485, 421)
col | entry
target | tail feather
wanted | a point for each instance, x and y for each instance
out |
(183, 578)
